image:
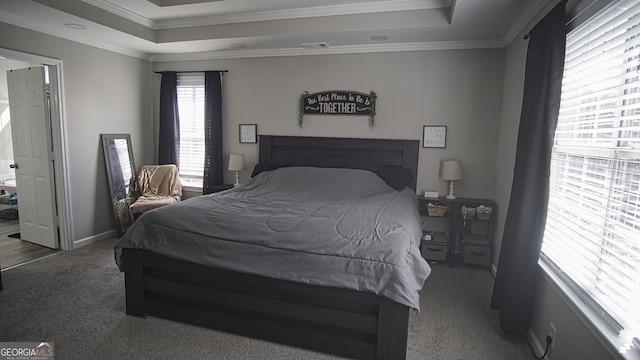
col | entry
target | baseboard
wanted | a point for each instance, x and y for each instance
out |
(532, 339)
(94, 238)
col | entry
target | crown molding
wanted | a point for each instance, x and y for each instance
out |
(247, 53)
(523, 21)
(334, 10)
(334, 50)
(122, 12)
(36, 26)
(525, 18)
(319, 11)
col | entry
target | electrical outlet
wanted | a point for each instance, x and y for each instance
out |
(552, 334)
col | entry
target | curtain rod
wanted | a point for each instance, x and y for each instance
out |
(193, 72)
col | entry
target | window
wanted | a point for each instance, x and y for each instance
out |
(5, 117)
(191, 112)
(592, 234)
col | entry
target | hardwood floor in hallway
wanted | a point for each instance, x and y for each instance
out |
(14, 251)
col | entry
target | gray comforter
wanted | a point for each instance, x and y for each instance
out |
(334, 227)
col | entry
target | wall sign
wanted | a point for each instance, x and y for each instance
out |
(434, 136)
(248, 133)
(338, 102)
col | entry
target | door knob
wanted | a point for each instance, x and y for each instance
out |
(14, 166)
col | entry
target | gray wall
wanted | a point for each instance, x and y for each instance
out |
(575, 339)
(476, 93)
(459, 89)
(104, 92)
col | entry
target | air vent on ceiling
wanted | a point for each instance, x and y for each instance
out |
(322, 45)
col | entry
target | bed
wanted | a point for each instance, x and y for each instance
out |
(293, 293)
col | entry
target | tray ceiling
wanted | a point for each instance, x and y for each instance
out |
(205, 29)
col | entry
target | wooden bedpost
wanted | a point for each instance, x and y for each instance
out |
(265, 148)
(393, 330)
(133, 281)
(410, 151)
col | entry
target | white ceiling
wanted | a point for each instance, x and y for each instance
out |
(166, 30)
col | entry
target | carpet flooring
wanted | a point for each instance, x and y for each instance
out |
(75, 299)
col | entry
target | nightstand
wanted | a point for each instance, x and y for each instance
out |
(434, 244)
(465, 230)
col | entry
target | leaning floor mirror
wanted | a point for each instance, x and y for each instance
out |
(118, 157)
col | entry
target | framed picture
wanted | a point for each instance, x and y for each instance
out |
(434, 136)
(248, 133)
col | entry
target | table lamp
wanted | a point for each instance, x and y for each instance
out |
(451, 170)
(236, 163)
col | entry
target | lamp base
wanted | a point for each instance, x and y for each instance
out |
(450, 196)
(237, 179)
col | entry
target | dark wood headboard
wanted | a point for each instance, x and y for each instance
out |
(389, 152)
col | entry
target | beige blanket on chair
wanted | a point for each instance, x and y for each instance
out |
(159, 185)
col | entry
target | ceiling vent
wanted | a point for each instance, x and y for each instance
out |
(322, 45)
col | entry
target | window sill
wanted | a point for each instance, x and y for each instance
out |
(190, 191)
(190, 188)
(600, 330)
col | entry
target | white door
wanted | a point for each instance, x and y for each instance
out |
(30, 124)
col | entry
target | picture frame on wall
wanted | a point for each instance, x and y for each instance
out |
(434, 136)
(248, 133)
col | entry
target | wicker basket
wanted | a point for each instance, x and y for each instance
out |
(436, 209)
(484, 212)
(468, 212)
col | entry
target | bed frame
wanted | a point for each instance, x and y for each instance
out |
(344, 322)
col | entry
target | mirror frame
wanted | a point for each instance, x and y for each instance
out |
(122, 218)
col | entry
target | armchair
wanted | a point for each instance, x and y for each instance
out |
(155, 186)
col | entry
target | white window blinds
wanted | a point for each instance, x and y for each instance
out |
(191, 112)
(4, 115)
(122, 149)
(592, 234)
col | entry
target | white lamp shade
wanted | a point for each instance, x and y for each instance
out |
(236, 162)
(451, 170)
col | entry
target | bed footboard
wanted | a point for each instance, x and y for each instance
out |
(339, 321)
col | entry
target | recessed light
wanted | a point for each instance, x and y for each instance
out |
(236, 45)
(74, 26)
(379, 38)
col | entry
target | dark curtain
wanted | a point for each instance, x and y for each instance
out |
(514, 292)
(213, 165)
(169, 132)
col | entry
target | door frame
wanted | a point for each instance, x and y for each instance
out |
(59, 140)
